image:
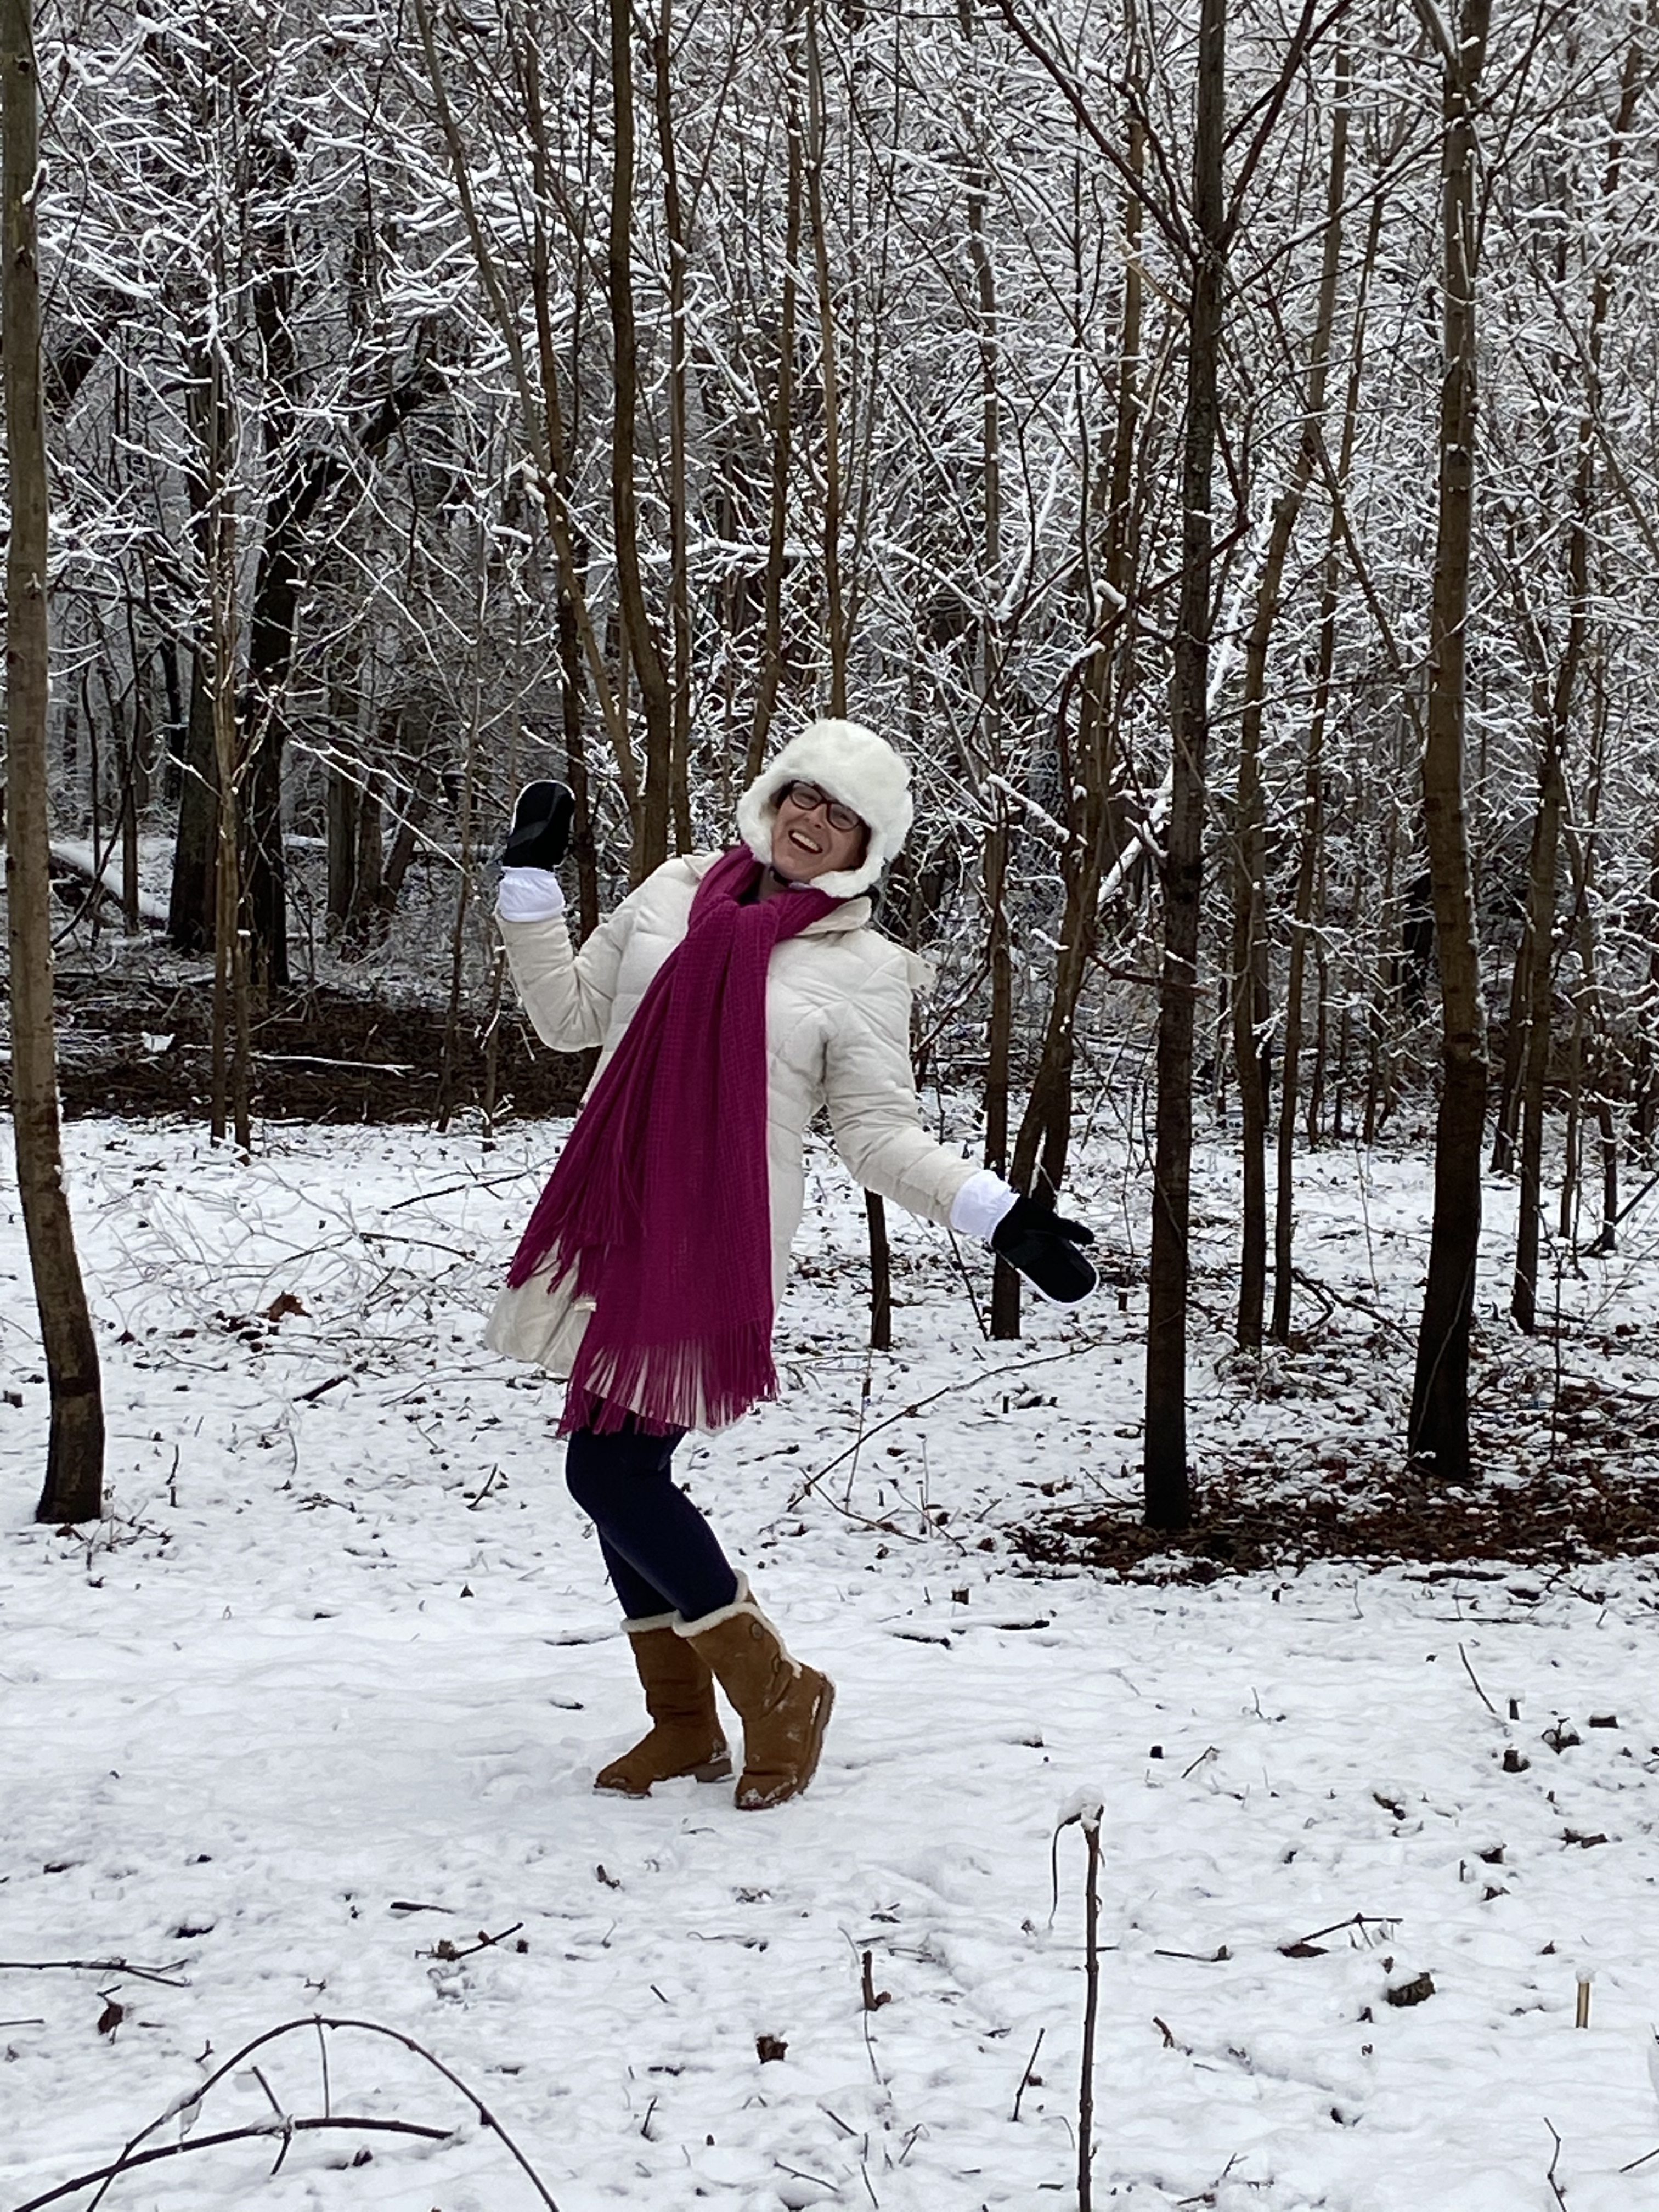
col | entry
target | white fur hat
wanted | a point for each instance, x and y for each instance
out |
(853, 765)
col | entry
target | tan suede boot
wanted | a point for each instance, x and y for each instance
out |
(685, 1736)
(784, 1707)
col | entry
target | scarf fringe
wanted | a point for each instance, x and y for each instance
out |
(705, 1384)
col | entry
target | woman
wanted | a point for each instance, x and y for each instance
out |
(731, 995)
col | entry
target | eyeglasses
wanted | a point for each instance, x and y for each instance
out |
(809, 799)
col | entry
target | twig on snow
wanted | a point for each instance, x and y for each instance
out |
(1475, 1679)
(866, 2009)
(319, 2021)
(864, 1415)
(1086, 2101)
(1345, 1298)
(1087, 1815)
(1025, 2079)
(444, 1949)
(270, 2094)
(320, 1390)
(909, 1412)
(260, 2130)
(168, 1976)
(800, 2173)
(1555, 2186)
(449, 1189)
(1353, 1920)
(873, 1998)
(969, 1284)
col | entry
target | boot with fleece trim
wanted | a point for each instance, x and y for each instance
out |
(685, 1735)
(784, 1707)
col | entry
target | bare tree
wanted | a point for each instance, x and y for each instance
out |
(75, 1451)
(1168, 1485)
(1251, 990)
(1438, 1434)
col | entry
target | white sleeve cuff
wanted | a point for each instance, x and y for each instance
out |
(980, 1203)
(529, 895)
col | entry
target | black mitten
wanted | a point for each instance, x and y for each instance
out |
(1045, 1250)
(540, 835)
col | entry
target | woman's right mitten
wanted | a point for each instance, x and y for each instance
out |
(540, 835)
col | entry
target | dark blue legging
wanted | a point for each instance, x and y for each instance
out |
(662, 1555)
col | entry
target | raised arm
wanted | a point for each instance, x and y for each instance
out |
(567, 995)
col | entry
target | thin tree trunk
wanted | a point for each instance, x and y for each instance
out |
(1168, 1488)
(1438, 1434)
(644, 652)
(131, 782)
(449, 1070)
(783, 402)
(1251, 997)
(835, 616)
(341, 800)
(192, 904)
(1582, 850)
(1311, 835)
(999, 836)
(299, 481)
(1043, 1139)
(492, 1054)
(584, 846)
(191, 901)
(340, 787)
(1557, 702)
(1322, 1056)
(1571, 1134)
(1540, 972)
(1385, 992)
(1644, 1103)
(370, 913)
(835, 600)
(170, 749)
(74, 1485)
(680, 594)
(1506, 1115)
(230, 1106)
(881, 1274)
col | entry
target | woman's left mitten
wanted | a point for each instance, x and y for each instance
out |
(1045, 1250)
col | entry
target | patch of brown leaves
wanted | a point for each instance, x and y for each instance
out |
(1259, 1516)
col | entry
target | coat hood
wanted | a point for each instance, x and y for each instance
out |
(853, 765)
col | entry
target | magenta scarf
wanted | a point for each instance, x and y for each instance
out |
(660, 1203)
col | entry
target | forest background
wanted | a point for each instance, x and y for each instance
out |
(1217, 444)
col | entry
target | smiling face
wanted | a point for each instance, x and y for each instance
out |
(806, 844)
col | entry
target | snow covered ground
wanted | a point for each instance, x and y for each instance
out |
(343, 1650)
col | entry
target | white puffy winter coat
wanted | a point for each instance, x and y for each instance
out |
(837, 1035)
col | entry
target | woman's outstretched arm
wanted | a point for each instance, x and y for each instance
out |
(870, 1093)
